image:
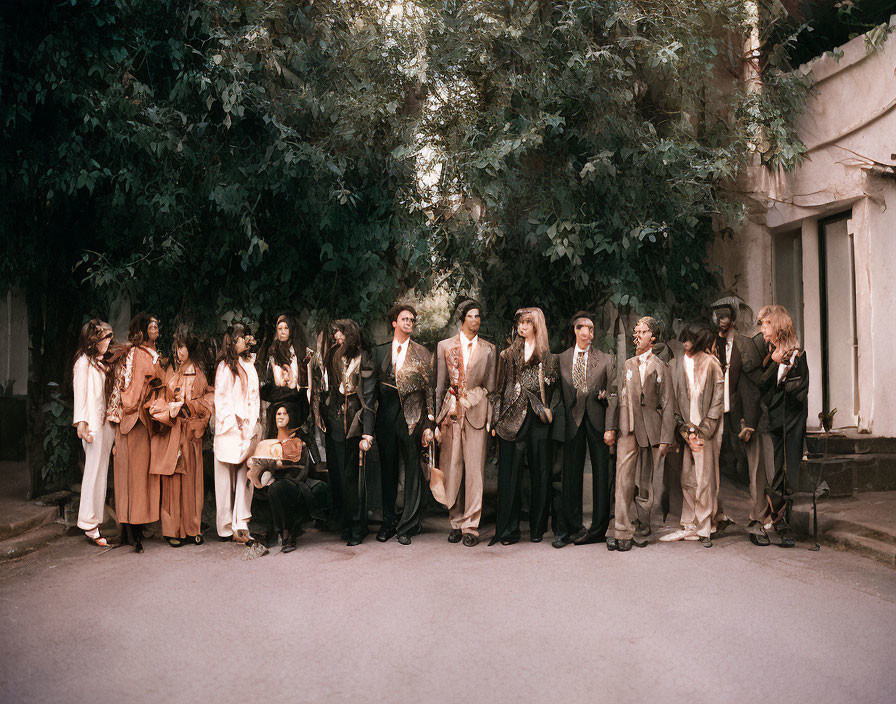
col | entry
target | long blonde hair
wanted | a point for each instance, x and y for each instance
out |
(542, 345)
(782, 324)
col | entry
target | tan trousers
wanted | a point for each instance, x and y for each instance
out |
(467, 473)
(700, 486)
(182, 499)
(233, 498)
(95, 479)
(641, 467)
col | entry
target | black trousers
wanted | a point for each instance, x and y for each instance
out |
(533, 443)
(732, 455)
(788, 447)
(289, 504)
(397, 445)
(350, 504)
(571, 482)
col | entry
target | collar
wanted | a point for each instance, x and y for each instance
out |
(579, 350)
(396, 343)
(642, 358)
(464, 338)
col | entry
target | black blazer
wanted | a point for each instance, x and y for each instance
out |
(598, 405)
(787, 402)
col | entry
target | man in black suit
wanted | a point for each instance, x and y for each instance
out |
(404, 422)
(588, 419)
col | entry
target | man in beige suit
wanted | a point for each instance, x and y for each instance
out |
(646, 429)
(465, 376)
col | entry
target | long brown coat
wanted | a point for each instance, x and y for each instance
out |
(136, 490)
(176, 447)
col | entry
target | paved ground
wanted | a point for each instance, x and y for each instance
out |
(440, 622)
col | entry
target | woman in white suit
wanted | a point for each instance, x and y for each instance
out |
(237, 406)
(96, 433)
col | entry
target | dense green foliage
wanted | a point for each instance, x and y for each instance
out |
(216, 159)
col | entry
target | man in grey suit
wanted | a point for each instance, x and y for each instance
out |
(465, 376)
(646, 430)
(587, 418)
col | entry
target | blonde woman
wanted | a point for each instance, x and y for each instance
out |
(96, 433)
(523, 399)
(785, 390)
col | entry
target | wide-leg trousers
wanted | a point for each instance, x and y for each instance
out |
(233, 498)
(532, 443)
(95, 479)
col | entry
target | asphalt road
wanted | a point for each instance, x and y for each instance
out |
(436, 622)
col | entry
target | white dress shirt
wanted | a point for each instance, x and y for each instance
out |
(692, 390)
(782, 367)
(729, 349)
(576, 353)
(642, 364)
(399, 357)
(528, 349)
(467, 346)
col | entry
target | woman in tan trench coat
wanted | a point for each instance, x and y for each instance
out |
(181, 406)
(136, 490)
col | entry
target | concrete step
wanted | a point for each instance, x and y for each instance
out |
(880, 550)
(27, 519)
(865, 523)
(850, 443)
(849, 474)
(31, 541)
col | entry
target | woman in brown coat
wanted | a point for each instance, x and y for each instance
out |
(136, 490)
(181, 406)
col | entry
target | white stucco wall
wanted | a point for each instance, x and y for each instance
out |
(848, 126)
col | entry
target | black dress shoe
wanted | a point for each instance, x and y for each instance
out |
(706, 542)
(643, 531)
(511, 540)
(455, 536)
(611, 544)
(578, 535)
(404, 539)
(535, 538)
(639, 543)
(353, 541)
(623, 545)
(386, 532)
(761, 540)
(786, 542)
(559, 542)
(590, 538)
(471, 540)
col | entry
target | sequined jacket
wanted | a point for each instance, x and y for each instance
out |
(414, 387)
(518, 389)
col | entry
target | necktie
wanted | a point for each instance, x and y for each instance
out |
(723, 352)
(395, 365)
(578, 373)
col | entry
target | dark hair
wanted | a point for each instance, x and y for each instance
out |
(138, 330)
(227, 353)
(464, 307)
(292, 410)
(184, 338)
(578, 315)
(92, 333)
(398, 309)
(350, 349)
(698, 334)
(297, 340)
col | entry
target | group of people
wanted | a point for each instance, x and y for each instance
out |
(437, 415)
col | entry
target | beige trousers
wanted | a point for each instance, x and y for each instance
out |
(700, 486)
(233, 498)
(462, 456)
(640, 467)
(95, 479)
